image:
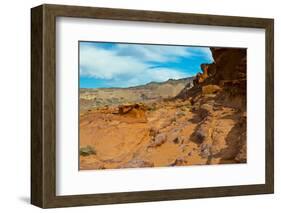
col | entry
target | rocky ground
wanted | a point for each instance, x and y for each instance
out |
(205, 124)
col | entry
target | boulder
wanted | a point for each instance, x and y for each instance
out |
(158, 140)
(133, 111)
(210, 89)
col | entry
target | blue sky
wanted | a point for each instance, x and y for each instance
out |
(105, 64)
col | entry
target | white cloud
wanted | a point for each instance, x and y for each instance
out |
(201, 51)
(154, 53)
(130, 65)
(105, 64)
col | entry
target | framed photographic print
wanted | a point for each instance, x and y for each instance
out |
(136, 106)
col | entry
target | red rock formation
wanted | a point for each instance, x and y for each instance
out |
(200, 77)
(228, 71)
(219, 91)
(132, 110)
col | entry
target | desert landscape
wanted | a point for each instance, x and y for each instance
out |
(199, 120)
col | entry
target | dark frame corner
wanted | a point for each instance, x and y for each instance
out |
(43, 105)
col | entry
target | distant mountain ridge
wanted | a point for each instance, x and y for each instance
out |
(169, 81)
(98, 97)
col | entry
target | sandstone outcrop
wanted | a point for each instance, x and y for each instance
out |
(219, 100)
(133, 110)
(228, 71)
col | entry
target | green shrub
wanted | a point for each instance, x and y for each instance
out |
(86, 151)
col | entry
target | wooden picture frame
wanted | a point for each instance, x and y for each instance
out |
(43, 105)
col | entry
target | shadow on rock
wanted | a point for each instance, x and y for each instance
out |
(235, 141)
